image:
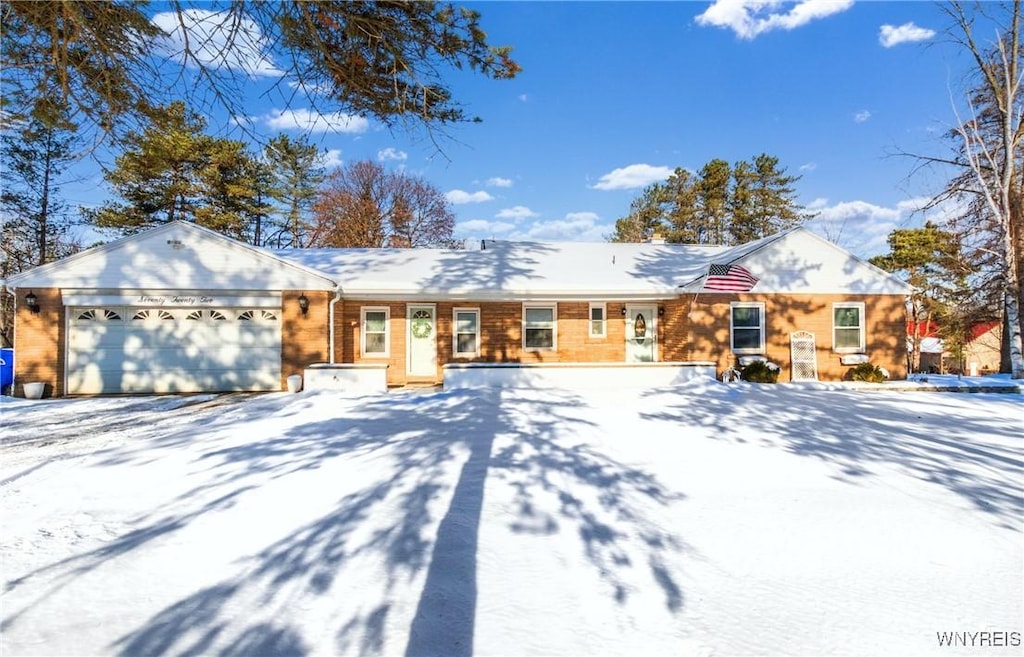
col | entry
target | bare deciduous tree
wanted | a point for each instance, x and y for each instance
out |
(363, 205)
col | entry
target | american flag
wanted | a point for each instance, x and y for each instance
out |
(729, 278)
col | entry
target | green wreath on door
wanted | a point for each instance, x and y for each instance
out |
(421, 328)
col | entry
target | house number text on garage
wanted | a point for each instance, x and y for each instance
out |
(176, 300)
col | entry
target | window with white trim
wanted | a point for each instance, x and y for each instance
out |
(375, 336)
(848, 327)
(466, 332)
(598, 321)
(746, 327)
(540, 326)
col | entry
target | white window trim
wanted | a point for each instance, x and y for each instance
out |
(554, 326)
(761, 337)
(604, 320)
(455, 333)
(849, 350)
(387, 331)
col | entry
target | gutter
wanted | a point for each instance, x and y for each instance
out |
(330, 323)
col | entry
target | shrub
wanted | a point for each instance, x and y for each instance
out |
(761, 371)
(868, 372)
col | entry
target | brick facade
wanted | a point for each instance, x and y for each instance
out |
(39, 342)
(304, 339)
(688, 329)
(707, 337)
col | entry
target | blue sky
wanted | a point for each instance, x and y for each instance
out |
(614, 95)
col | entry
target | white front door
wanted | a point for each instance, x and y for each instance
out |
(422, 341)
(641, 334)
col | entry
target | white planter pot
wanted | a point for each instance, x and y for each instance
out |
(34, 390)
(295, 383)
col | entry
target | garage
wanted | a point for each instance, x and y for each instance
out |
(175, 309)
(125, 349)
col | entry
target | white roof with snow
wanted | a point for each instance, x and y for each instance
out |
(184, 256)
(794, 261)
(512, 269)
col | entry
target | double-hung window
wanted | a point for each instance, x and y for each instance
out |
(540, 327)
(746, 328)
(376, 330)
(598, 321)
(848, 327)
(466, 336)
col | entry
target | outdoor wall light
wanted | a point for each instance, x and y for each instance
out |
(32, 302)
(304, 304)
(623, 311)
(661, 311)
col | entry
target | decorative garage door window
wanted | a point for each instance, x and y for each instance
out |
(214, 315)
(152, 314)
(257, 316)
(98, 315)
(421, 324)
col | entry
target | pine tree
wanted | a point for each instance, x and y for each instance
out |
(296, 172)
(172, 171)
(924, 258)
(718, 205)
(34, 224)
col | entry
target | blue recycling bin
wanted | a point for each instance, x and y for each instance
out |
(6, 369)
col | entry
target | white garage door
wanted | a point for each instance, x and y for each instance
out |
(125, 349)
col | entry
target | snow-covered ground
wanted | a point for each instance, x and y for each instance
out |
(695, 520)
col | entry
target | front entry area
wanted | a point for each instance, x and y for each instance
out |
(422, 340)
(124, 349)
(641, 334)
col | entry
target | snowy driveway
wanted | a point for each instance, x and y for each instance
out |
(701, 519)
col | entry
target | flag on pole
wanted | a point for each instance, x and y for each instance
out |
(729, 278)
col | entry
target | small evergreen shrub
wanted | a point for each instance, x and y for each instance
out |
(761, 371)
(868, 372)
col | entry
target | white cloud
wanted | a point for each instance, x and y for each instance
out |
(523, 98)
(810, 166)
(332, 158)
(890, 36)
(516, 213)
(576, 227)
(750, 18)
(499, 182)
(304, 119)
(459, 197)
(860, 226)
(483, 228)
(216, 39)
(861, 116)
(392, 155)
(633, 176)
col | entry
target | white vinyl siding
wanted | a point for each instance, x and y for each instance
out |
(848, 327)
(375, 336)
(598, 320)
(466, 332)
(540, 327)
(746, 328)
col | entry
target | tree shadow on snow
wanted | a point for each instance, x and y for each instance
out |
(441, 450)
(977, 458)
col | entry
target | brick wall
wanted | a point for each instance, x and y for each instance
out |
(39, 342)
(304, 339)
(501, 335)
(686, 331)
(707, 335)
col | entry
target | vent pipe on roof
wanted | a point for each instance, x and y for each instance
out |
(483, 245)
